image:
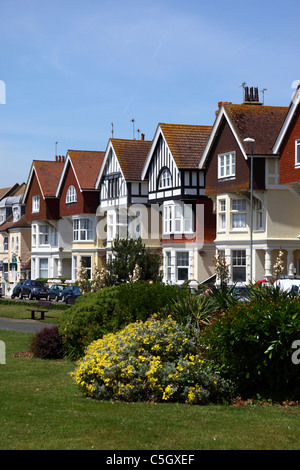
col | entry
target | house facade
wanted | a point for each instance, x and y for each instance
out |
(250, 244)
(124, 210)
(176, 188)
(15, 238)
(50, 250)
(288, 146)
(78, 203)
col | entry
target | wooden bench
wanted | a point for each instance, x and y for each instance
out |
(41, 303)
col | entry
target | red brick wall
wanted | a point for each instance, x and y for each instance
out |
(287, 171)
(87, 201)
(226, 142)
(48, 207)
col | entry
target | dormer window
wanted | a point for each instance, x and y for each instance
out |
(297, 152)
(165, 179)
(71, 195)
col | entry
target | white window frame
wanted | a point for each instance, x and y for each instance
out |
(44, 235)
(238, 214)
(181, 265)
(88, 268)
(71, 196)
(5, 243)
(259, 215)
(178, 218)
(44, 271)
(83, 230)
(168, 266)
(222, 215)
(239, 263)
(34, 229)
(297, 153)
(226, 165)
(36, 203)
(165, 179)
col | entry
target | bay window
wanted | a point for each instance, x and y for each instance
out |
(178, 218)
(238, 213)
(83, 230)
(222, 215)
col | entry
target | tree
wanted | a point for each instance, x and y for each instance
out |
(130, 255)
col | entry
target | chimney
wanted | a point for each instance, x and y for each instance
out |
(251, 97)
(142, 136)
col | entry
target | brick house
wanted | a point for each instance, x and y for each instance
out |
(227, 162)
(78, 202)
(48, 260)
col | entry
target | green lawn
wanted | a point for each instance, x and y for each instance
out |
(41, 409)
(17, 309)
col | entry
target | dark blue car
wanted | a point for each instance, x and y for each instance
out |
(70, 294)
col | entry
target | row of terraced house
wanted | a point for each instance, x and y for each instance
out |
(191, 190)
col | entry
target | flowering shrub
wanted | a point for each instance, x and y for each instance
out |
(279, 265)
(155, 360)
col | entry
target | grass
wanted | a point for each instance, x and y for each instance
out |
(17, 309)
(42, 409)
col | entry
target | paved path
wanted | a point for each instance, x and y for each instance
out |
(26, 326)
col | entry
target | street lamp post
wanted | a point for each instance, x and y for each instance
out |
(249, 139)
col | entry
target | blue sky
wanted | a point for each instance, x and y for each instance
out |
(72, 67)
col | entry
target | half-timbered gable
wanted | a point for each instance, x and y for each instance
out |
(119, 179)
(172, 166)
(123, 194)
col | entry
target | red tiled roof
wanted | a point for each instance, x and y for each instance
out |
(9, 224)
(261, 123)
(48, 174)
(86, 166)
(131, 155)
(186, 142)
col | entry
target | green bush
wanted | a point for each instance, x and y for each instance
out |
(110, 309)
(252, 342)
(156, 360)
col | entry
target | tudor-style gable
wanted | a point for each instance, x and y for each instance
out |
(119, 178)
(172, 166)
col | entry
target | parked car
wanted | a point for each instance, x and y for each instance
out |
(70, 294)
(55, 292)
(16, 290)
(289, 285)
(33, 290)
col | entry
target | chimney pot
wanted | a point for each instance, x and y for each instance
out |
(142, 136)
